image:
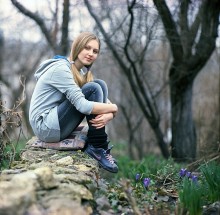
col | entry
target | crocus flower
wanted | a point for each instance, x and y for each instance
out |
(194, 178)
(188, 174)
(137, 177)
(146, 182)
(182, 172)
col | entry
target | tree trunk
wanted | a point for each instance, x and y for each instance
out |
(162, 144)
(192, 42)
(183, 128)
(1, 109)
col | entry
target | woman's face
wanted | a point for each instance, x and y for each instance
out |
(89, 54)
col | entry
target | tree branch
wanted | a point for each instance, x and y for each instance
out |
(193, 30)
(107, 39)
(170, 28)
(152, 113)
(130, 26)
(208, 35)
(184, 27)
(38, 20)
(64, 39)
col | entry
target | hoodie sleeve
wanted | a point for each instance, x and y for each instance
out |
(62, 79)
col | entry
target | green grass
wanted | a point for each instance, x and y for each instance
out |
(191, 196)
(150, 165)
(12, 152)
(211, 180)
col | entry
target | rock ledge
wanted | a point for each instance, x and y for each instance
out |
(49, 182)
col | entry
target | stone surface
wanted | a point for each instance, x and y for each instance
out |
(65, 161)
(213, 209)
(49, 182)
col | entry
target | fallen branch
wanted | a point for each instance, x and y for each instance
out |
(207, 159)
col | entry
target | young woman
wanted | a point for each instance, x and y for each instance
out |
(64, 95)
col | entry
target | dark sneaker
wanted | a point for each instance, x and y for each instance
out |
(104, 158)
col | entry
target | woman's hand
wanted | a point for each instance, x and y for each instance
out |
(101, 120)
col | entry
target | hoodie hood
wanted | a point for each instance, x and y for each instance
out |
(47, 64)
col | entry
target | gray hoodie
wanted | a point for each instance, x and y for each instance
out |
(55, 83)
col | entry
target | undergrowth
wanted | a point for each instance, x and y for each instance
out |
(11, 153)
(155, 185)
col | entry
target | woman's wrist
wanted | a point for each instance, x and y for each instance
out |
(115, 111)
(115, 108)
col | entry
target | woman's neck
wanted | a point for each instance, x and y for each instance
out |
(78, 65)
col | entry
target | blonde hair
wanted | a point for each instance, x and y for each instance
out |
(77, 46)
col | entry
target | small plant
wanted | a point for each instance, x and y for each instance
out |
(195, 192)
(184, 173)
(211, 174)
(12, 153)
(10, 129)
(146, 182)
(190, 196)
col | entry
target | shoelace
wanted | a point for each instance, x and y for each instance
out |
(109, 158)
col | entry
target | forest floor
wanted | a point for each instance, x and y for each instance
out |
(154, 186)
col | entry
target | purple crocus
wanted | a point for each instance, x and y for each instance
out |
(182, 173)
(146, 182)
(188, 174)
(137, 177)
(194, 178)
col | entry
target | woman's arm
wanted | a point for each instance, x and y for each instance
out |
(101, 108)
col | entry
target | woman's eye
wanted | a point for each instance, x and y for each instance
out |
(88, 48)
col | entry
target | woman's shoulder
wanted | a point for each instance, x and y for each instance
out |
(63, 63)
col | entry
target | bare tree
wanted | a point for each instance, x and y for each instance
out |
(21, 73)
(51, 34)
(129, 52)
(133, 124)
(192, 42)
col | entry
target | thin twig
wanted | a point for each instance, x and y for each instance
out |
(167, 178)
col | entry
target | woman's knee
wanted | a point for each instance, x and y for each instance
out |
(92, 86)
(93, 92)
(104, 89)
(101, 83)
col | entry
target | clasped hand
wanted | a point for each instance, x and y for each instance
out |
(101, 120)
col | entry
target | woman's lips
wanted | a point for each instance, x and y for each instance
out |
(88, 59)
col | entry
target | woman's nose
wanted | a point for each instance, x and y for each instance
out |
(90, 52)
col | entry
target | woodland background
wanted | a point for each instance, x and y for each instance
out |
(137, 55)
